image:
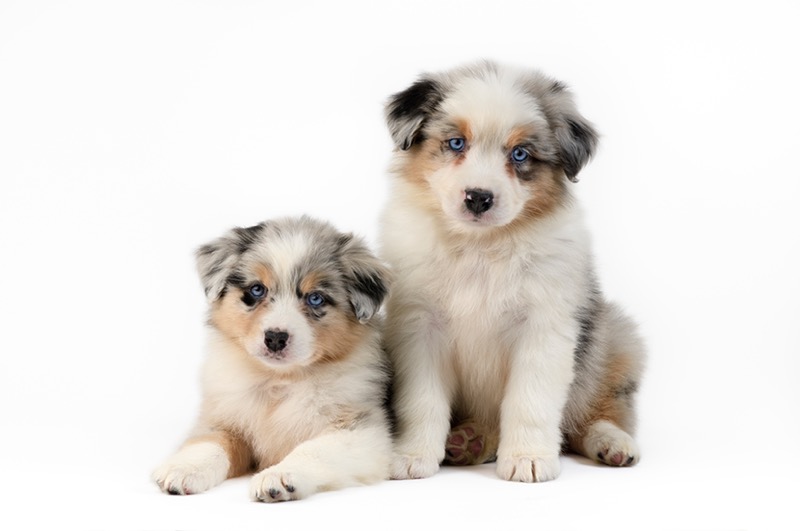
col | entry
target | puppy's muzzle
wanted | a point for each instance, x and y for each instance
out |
(478, 201)
(276, 340)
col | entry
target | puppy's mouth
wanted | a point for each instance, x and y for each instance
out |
(482, 220)
(275, 356)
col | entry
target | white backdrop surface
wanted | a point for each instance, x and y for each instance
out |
(132, 132)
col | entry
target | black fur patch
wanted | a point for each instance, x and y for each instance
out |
(238, 281)
(587, 320)
(627, 390)
(370, 285)
(343, 240)
(407, 111)
(235, 279)
(415, 99)
(247, 236)
(249, 299)
(577, 146)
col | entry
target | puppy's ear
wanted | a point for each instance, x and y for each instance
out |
(577, 141)
(367, 279)
(575, 136)
(217, 260)
(407, 111)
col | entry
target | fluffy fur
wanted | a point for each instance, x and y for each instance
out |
(295, 380)
(502, 343)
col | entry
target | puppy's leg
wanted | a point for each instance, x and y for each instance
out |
(604, 435)
(334, 460)
(603, 420)
(422, 391)
(530, 416)
(203, 462)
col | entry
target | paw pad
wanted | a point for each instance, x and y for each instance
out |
(616, 458)
(464, 446)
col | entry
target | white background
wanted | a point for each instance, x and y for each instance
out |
(133, 132)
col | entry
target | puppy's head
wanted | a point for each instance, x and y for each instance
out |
(291, 292)
(492, 145)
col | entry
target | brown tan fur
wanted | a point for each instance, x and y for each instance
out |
(239, 452)
(547, 193)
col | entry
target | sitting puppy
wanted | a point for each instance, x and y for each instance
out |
(295, 380)
(502, 343)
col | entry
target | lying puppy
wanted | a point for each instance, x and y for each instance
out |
(502, 343)
(295, 380)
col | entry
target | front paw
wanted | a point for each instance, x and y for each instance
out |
(528, 469)
(413, 467)
(185, 478)
(195, 468)
(274, 485)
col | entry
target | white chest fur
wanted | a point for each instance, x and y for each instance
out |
(490, 298)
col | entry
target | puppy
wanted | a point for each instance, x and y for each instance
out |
(295, 380)
(502, 343)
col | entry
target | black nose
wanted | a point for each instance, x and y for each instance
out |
(478, 201)
(276, 340)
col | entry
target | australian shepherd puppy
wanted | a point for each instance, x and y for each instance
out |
(503, 345)
(295, 381)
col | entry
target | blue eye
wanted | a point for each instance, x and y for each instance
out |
(519, 154)
(257, 290)
(315, 300)
(457, 144)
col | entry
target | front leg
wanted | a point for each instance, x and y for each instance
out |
(334, 460)
(422, 392)
(203, 462)
(530, 419)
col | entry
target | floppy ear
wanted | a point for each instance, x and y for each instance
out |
(407, 111)
(217, 260)
(577, 141)
(367, 279)
(576, 138)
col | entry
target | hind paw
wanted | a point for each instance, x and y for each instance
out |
(464, 446)
(608, 444)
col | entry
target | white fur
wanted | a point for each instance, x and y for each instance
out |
(284, 315)
(331, 461)
(194, 468)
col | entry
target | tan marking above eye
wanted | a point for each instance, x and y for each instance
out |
(464, 128)
(309, 283)
(519, 136)
(265, 275)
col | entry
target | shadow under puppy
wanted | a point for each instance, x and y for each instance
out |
(295, 379)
